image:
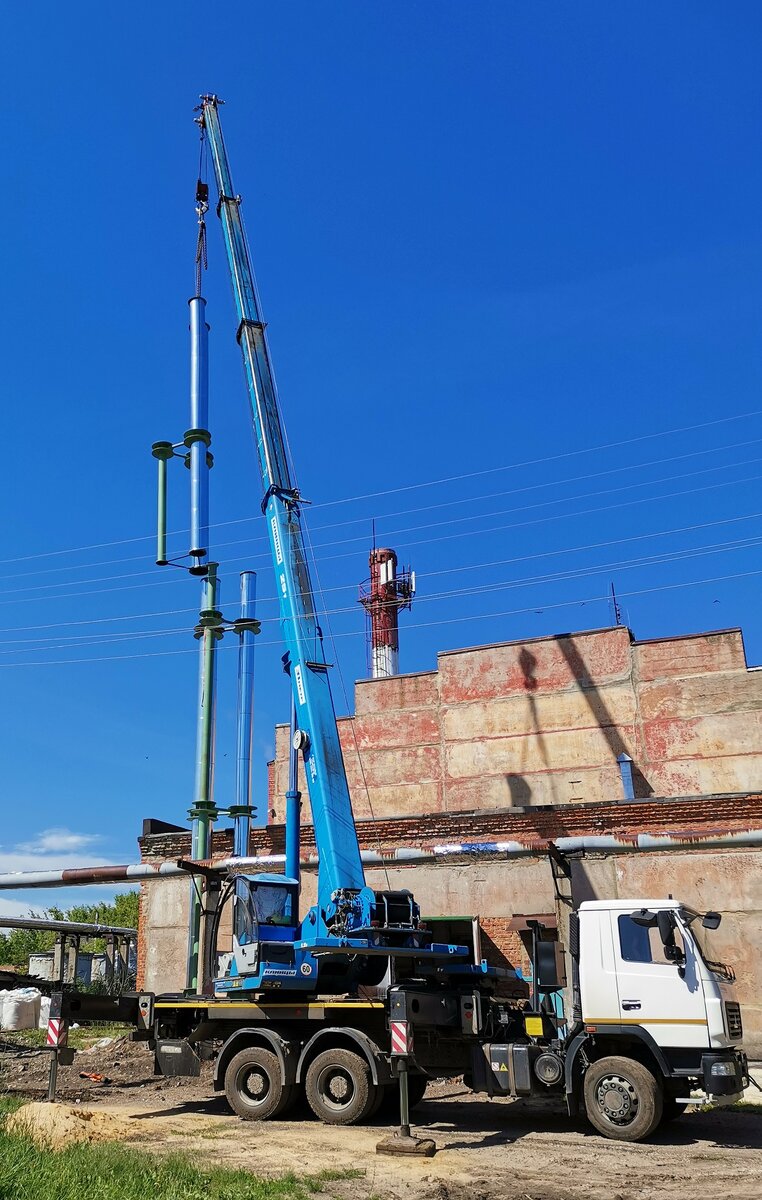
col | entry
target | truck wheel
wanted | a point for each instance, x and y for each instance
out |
(339, 1087)
(623, 1100)
(254, 1085)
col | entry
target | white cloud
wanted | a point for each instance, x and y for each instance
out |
(39, 902)
(14, 908)
(54, 841)
(53, 850)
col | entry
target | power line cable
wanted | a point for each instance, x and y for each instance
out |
(426, 483)
(449, 570)
(395, 533)
(605, 598)
(258, 539)
(85, 640)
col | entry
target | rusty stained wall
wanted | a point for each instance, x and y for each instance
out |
(543, 721)
(496, 889)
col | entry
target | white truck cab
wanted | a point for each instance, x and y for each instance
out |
(628, 977)
(646, 989)
(649, 1021)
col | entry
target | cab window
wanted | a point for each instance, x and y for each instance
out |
(641, 943)
(274, 904)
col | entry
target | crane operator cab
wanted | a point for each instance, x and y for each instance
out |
(265, 927)
(273, 950)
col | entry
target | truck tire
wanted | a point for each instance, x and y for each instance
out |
(623, 1100)
(339, 1087)
(254, 1085)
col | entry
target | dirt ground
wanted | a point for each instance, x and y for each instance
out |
(486, 1150)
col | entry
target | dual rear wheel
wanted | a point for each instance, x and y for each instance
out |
(254, 1085)
(338, 1085)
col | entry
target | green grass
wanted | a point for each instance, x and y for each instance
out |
(113, 1172)
(9, 1104)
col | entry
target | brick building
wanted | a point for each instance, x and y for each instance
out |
(461, 776)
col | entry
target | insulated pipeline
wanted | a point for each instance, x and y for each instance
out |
(402, 856)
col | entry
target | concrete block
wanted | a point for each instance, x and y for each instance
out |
(706, 776)
(699, 655)
(497, 888)
(727, 880)
(412, 764)
(703, 737)
(547, 664)
(399, 692)
(165, 910)
(569, 749)
(701, 695)
(591, 785)
(410, 727)
(533, 712)
(397, 799)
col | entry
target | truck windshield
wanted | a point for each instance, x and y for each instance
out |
(273, 904)
(707, 943)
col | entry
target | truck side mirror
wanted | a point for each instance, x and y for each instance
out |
(665, 923)
(711, 920)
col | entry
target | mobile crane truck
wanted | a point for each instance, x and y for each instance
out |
(648, 1018)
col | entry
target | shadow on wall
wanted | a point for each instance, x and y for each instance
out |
(582, 886)
(520, 790)
(601, 714)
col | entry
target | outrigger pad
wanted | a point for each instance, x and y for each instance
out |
(398, 1143)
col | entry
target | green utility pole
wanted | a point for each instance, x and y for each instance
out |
(209, 630)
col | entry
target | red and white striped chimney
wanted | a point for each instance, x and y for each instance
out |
(382, 596)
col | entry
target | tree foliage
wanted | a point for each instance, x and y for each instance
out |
(16, 945)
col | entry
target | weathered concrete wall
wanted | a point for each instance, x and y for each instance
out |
(543, 722)
(163, 935)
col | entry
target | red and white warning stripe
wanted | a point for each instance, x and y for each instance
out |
(402, 1037)
(58, 1034)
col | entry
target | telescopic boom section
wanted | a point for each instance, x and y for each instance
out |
(335, 832)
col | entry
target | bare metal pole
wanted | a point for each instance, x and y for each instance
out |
(197, 438)
(293, 801)
(247, 628)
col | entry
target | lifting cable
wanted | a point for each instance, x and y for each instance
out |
(202, 208)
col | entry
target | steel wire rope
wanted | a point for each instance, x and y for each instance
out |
(421, 484)
(303, 526)
(349, 712)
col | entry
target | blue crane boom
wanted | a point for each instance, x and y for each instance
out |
(353, 931)
(335, 833)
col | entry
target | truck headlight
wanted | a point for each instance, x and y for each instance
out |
(723, 1068)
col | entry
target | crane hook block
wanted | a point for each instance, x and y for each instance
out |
(202, 192)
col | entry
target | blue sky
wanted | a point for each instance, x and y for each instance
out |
(515, 247)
